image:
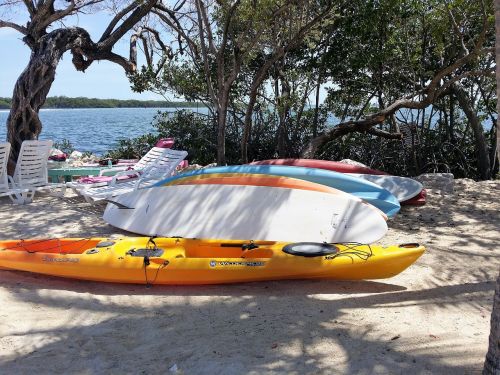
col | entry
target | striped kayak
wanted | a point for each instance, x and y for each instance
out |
(368, 191)
(408, 191)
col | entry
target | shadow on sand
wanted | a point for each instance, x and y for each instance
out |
(265, 327)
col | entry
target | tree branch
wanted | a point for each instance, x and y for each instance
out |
(14, 26)
(57, 15)
(203, 19)
(139, 12)
(166, 50)
(117, 18)
(176, 26)
(30, 6)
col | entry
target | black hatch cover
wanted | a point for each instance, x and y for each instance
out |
(310, 249)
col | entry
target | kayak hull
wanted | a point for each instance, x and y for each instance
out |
(191, 261)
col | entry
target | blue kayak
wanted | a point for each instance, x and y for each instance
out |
(370, 192)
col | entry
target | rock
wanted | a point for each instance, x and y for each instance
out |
(353, 162)
(442, 183)
(195, 167)
(76, 155)
(209, 166)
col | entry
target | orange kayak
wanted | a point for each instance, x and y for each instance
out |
(192, 261)
(254, 180)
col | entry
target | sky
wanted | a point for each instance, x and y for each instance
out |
(102, 79)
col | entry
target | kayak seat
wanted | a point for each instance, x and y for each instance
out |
(310, 249)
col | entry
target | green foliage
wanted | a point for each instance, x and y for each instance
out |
(81, 102)
(133, 148)
(192, 132)
(5, 103)
(435, 152)
(65, 146)
(87, 154)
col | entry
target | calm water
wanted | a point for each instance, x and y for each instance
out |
(92, 129)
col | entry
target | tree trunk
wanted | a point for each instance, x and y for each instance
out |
(451, 128)
(492, 362)
(221, 138)
(477, 127)
(497, 59)
(30, 92)
(284, 115)
(33, 86)
(221, 127)
(247, 123)
(316, 107)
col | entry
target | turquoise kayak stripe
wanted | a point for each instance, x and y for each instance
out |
(368, 191)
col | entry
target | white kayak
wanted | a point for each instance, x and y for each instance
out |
(247, 213)
(403, 188)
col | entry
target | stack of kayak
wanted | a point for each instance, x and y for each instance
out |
(275, 219)
(406, 190)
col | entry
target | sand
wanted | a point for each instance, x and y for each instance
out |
(431, 319)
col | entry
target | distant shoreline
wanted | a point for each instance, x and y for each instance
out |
(63, 102)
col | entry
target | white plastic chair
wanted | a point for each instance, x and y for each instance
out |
(31, 170)
(8, 189)
(155, 155)
(161, 169)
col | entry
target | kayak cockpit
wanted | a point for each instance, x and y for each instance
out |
(211, 249)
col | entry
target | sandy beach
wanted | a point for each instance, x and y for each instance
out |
(434, 318)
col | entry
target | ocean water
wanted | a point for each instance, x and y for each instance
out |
(93, 129)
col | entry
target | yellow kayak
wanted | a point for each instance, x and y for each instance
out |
(180, 261)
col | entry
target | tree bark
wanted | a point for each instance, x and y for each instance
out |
(483, 158)
(256, 83)
(221, 127)
(284, 114)
(221, 139)
(316, 107)
(497, 59)
(33, 85)
(492, 361)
